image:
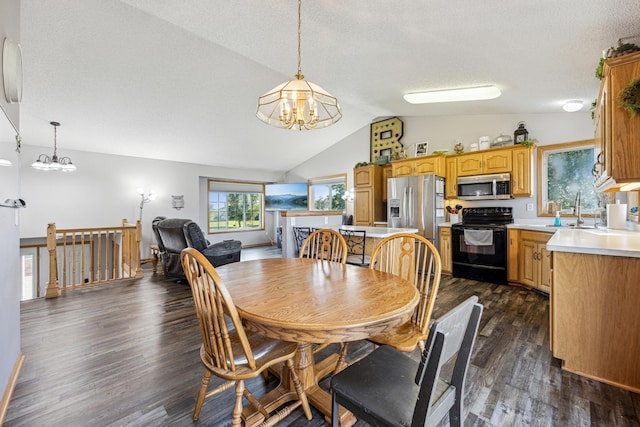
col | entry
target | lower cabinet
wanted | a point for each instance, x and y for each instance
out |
(445, 249)
(534, 260)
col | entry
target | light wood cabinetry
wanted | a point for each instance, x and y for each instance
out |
(386, 173)
(419, 166)
(595, 316)
(513, 240)
(484, 162)
(368, 204)
(534, 260)
(521, 171)
(451, 177)
(617, 131)
(445, 249)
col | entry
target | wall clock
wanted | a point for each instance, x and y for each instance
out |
(12, 71)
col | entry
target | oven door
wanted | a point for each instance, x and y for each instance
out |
(479, 252)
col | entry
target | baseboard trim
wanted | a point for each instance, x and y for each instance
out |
(11, 385)
(257, 245)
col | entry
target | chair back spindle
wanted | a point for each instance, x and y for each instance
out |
(325, 244)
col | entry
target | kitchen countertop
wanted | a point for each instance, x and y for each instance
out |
(599, 241)
(379, 232)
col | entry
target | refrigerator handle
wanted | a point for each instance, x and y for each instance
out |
(405, 207)
(411, 206)
(495, 189)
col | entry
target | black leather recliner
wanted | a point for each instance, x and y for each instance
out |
(175, 234)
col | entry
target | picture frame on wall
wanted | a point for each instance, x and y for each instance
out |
(421, 149)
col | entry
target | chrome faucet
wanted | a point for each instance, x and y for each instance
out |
(577, 211)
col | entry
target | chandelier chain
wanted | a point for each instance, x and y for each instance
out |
(299, 36)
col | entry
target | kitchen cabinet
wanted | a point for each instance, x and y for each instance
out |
(534, 260)
(386, 173)
(521, 171)
(595, 317)
(424, 165)
(451, 177)
(484, 162)
(513, 240)
(617, 132)
(445, 249)
(368, 204)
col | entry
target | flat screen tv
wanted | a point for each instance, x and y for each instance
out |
(286, 197)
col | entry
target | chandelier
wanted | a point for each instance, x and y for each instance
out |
(298, 103)
(54, 163)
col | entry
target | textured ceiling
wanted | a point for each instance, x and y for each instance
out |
(179, 80)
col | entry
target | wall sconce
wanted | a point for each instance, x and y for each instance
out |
(349, 195)
(177, 202)
(145, 199)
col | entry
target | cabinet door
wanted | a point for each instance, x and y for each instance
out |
(363, 206)
(451, 178)
(402, 168)
(363, 176)
(528, 263)
(469, 164)
(428, 165)
(498, 162)
(445, 249)
(521, 173)
(512, 254)
(545, 268)
(386, 173)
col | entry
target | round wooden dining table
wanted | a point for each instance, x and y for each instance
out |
(309, 301)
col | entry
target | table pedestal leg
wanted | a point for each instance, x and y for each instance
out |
(310, 373)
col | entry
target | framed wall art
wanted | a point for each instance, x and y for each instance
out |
(421, 149)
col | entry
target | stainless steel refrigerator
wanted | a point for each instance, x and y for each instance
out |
(416, 202)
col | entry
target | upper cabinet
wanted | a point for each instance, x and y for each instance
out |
(521, 171)
(484, 162)
(617, 131)
(425, 165)
(368, 206)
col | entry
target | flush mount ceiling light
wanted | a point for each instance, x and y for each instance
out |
(54, 163)
(572, 106)
(452, 95)
(298, 103)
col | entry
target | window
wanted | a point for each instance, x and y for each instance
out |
(235, 206)
(326, 193)
(563, 170)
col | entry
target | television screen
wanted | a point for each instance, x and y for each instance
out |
(286, 197)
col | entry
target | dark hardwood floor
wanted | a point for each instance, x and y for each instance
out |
(127, 355)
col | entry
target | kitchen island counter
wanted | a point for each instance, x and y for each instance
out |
(598, 241)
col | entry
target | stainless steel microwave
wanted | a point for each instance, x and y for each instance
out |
(484, 187)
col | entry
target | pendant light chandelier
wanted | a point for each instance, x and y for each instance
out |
(298, 103)
(54, 163)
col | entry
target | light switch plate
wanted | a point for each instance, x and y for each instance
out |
(529, 207)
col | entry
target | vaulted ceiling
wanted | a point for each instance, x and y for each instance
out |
(179, 80)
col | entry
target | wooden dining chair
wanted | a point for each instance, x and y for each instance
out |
(389, 388)
(356, 243)
(230, 352)
(415, 259)
(326, 244)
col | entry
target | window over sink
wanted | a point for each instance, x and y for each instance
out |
(563, 170)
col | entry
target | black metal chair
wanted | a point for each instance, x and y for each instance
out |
(299, 235)
(356, 242)
(389, 388)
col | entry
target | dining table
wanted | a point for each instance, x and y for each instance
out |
(309, 302)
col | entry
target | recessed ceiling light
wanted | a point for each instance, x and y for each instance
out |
(452, 95)
(572, 106)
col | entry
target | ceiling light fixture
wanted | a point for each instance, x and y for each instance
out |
(572, 106)
(298, 103)
(54, 163)
(453, 95)
(5, 162)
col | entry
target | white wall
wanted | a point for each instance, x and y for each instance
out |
(442, 133)
(103, 191)
(9, 233)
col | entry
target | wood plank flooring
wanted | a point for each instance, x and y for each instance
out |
(127, 355)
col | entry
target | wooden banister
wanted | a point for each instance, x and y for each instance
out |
(88, 256)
